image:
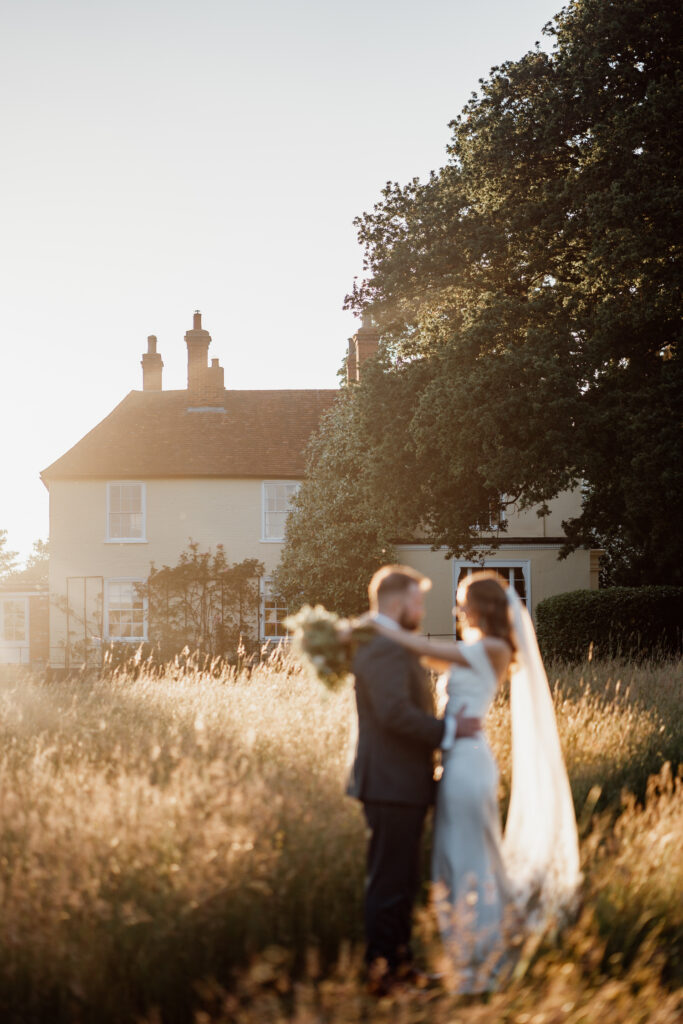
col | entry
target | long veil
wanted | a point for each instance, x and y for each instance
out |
(540, 847)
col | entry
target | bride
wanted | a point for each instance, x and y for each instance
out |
(486, 885)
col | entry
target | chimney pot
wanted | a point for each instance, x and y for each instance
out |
(197, 321)
(151, 344)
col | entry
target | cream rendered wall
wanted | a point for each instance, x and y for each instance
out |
(551, 576)
(210, 511)
(548, 576)
(438, 600)
(528, 524)
(213, 511)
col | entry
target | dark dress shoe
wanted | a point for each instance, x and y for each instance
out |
(380, 979)
(380, 987)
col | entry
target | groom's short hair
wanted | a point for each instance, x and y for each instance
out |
(395, 579)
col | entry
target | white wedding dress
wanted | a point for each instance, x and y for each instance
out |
(472, 891)
(485, 885)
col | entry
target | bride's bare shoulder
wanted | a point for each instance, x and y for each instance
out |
(498, 651)
(495, 643)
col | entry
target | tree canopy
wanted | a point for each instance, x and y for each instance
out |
(35, 569)
(8, 559)
(38, 562)
(528, 294)
(336, 536)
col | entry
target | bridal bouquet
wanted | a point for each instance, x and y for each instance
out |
(326, 644)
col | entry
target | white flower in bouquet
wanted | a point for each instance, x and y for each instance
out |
(325, 643)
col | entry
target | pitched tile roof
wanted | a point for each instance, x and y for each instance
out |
(166, 434)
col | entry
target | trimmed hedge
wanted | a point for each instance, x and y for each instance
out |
(633, 622)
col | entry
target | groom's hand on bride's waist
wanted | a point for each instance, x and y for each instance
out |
(466, 725)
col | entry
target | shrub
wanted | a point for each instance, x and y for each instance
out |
(619, 621)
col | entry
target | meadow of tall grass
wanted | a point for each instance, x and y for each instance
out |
(175, 846)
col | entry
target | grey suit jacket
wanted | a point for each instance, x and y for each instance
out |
(397, 729)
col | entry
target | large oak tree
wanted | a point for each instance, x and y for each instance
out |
(531, 289)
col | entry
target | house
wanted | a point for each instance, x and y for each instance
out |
(220, 466)
(207, 463)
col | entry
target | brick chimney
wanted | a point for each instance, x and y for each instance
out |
(151, 366)
(197, 341)
(351, 361)
(205, 383)
(362, 345)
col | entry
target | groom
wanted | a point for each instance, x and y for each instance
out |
(393, 771)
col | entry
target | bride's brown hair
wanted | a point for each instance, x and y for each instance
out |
(486, 592)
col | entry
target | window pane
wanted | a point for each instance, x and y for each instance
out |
(277, 499)
(520, 583)
(125, 612)
(273, 616)
(131, 524)
(513, 574)
(126, 518)
(275, 524)
(131, 498)
(114, 498)
(14, 620)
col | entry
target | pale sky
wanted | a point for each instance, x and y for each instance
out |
(161, 156)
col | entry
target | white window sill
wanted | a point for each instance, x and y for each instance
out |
(125, 640)
(272, 540)
(126, 540)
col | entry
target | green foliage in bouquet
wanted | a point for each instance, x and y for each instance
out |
(326, 644)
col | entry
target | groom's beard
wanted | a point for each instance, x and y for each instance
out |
(408, 621)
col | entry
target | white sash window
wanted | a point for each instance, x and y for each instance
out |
(124, 611)
(126, 511)
(276, 501)
(274, 614)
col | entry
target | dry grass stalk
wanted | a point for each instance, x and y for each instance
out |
(182, 841)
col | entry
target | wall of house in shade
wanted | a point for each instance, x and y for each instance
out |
(527, 557)
(533, 569)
